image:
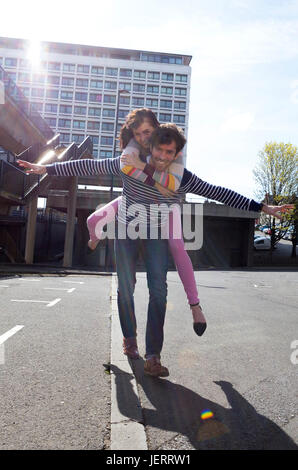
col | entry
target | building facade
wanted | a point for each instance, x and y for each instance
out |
(87, 90)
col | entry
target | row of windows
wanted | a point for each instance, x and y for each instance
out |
(104, 126)
(98, 70)
(68, 95)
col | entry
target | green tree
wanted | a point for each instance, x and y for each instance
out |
(277, 182)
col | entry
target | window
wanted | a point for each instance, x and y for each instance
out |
(125, 73)
(25, 91)
(78, 124)
(82, 82)
(37, 92)
(93, 125)
(153, 75)
(166, 104)
(66, 95)
(94, 112)
(36, 107)
(179, 105)
(108, 113)
(105, 140)
(69, 68)
(96, 84)
(67, 81)
(53, 94)
(138, 101)
(181, 78)
(112, 72)
(53, 80)
(151, 103)
(51, 108)
(166, 90)
(124, 100)
(179, 119)
(137, 87)
(105, 154)
(167, 77)
(80, 96)
(111, 99)
(97, 70)
(107, 127)
(24, 77)
(78, 138)
(12, 76)
(110, 85)
(11, 62)
(83, 68)
(64, 122)
(163, 117)
(125, 86)
(95, 153)
(54, 66)
(180, 91)
(50, 121)
(64, 137)
(24, 64)
(65, 109)
(95, 97)
(94, 139)
(139, 74)
(37, 78)
(153, 89)
(80, 110)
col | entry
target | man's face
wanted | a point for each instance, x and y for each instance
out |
(163, 155)
(143, 133)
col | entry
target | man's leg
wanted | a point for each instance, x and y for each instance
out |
(156, 261)
(126, 252)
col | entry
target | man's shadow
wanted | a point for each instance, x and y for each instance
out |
(180, 410)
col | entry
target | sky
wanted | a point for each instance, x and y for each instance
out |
(244, 85)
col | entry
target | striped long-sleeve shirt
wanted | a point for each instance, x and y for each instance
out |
(145, 201)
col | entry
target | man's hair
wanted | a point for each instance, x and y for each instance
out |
(133, 120)
(167, 133)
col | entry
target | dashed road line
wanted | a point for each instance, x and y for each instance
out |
(5, 337)
(50, 303)
(60, 288)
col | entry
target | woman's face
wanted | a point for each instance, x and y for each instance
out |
(143, 133)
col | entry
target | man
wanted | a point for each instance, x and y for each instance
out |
(166, 142)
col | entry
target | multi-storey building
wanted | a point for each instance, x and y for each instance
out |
(88, 90)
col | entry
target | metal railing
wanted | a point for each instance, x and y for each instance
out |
(15, 93)
(14, 182)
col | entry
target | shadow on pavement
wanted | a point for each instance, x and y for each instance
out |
(184, 412)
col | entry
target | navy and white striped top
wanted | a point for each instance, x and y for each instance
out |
(144, 199)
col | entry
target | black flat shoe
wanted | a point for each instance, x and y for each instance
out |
(199, 328)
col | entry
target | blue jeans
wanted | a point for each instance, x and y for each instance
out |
(155, 253)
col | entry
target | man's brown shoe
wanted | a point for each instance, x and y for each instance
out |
(154, 368)
(130, 348)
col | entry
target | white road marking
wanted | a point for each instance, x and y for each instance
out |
(29, 280)
(74, 282)
(3, 286)
(48, 302)
(5, 337)
(60, 288)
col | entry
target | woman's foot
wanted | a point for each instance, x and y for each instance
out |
(199, 321)
(93, 244)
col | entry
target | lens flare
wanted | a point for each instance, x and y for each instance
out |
(206, 414)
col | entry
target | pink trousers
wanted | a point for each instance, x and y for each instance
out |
(107, 213)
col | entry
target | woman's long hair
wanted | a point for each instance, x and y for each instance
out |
(133, 120)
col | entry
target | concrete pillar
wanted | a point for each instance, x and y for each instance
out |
(70, 224)
(30, 231)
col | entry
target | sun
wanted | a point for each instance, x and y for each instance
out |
(34, 53)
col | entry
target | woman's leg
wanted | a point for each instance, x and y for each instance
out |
(184, 264)
(99, 219)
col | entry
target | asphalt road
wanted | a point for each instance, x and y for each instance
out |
(55, 393)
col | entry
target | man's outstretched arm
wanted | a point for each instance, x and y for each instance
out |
(84, 167)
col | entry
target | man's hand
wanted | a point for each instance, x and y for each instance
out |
(31, 168)
(164, 191)
(132, 160)
(277, 211)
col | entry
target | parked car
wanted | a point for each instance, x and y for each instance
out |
(262, 243)
(263, 227)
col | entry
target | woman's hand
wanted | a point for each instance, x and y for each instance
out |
(132, 159)
(277, 211)
(31, 168)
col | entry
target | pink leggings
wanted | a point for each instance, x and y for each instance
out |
(106, 214)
